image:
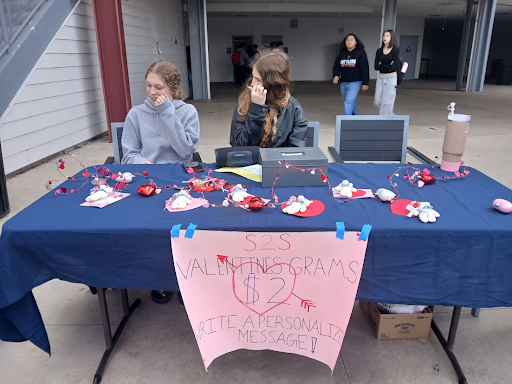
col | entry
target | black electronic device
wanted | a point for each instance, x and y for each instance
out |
(237, 156)
(195, 165)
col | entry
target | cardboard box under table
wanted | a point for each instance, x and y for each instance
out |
(395, 326)
(299, 157)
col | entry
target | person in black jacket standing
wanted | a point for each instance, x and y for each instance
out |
(267, 115)
(351, 67)
(387, 61)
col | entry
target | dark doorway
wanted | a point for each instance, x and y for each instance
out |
(239, 41)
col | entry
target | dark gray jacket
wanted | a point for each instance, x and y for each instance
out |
(291, 126)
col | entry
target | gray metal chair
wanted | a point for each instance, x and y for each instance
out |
(312, 134)
(117, 133)
(373, 138)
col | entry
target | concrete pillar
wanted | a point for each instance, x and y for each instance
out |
(481, 43)
(464, 45)
(199, 61)
(388, 17)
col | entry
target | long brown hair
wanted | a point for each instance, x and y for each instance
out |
(274, 68)
(393, 42)
(169, 74)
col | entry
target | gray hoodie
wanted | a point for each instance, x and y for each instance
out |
(168, 133)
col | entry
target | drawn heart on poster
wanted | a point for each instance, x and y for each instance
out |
(262, 292)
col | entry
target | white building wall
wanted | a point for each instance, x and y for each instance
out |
(312, 46)
(61, 103)
(145, 24)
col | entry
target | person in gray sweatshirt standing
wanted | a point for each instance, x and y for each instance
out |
(163, 129)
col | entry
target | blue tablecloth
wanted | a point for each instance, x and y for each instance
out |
(465, 258)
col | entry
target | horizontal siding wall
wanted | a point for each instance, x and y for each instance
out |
(62, 102)
(145, 24)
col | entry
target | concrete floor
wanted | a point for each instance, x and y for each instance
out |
(158, 346)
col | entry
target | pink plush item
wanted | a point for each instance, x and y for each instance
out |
(196, 203)
(502, 205)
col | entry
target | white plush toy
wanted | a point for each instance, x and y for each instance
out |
(345, 188)
(299, 204)
(384, 194)
(126, 177)
(99, 192)
(238, 193)
(423, 210)
(181, 199)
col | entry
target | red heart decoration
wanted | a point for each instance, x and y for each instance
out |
(64, 190)
(255, 203)
(146, 189)
(358, 193)
(426, 178)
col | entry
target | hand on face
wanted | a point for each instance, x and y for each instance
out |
(160, 100)
(157, 89)
(258, 94)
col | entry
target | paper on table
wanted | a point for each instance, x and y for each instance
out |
(110, 199)
(251, 172)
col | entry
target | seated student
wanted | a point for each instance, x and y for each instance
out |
(163, 129)
(267, 115)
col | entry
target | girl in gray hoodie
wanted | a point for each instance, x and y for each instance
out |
(163, 129)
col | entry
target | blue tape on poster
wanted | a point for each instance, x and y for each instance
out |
(365, 232)
(340, 230)
(190, 230)
(175, 232)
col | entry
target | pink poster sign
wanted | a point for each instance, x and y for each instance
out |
(290, 292)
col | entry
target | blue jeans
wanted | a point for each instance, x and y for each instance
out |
(349, 91)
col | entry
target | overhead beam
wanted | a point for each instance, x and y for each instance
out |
(287, 7)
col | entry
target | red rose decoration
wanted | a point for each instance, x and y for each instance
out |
(255, 204)
(146, 189)
(426, 178)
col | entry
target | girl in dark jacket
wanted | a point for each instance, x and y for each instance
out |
(267, 115)
(351, 67)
